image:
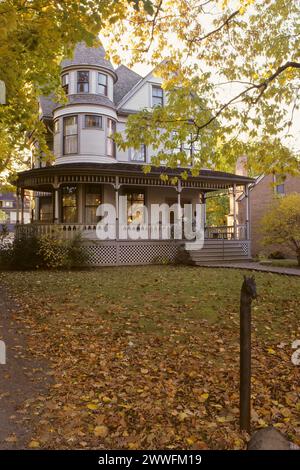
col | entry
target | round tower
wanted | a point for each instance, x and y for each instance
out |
(83, 127)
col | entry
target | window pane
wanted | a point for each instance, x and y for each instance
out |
(157, 91)
(45, 209)
(69, 204)
(93, 121)
(102, 79)
(139, 155)
(111, 146)
(70, 125)
(65, 82)
(70, 144)
(135, 207)
(92, 201)
(82, 82)
(157, 96)
(70, 135)
(280, 188)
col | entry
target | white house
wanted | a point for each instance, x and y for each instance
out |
(89, 169)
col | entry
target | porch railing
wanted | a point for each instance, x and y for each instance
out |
(88, 231)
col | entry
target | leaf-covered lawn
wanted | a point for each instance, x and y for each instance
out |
(148, 357)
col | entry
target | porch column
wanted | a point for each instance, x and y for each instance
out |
(18, 206)
(81, 204)
(234, 212)
(247, 195)
(117, 187)
(56, 205)
(178, 226)
(22, 206)
(36, 207)
(203, 202)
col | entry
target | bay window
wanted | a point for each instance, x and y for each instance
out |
(70, 144)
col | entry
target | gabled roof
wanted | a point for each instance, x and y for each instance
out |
(134, 89)
(47, 105)
(127, 79)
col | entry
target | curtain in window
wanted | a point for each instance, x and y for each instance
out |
(70, 135)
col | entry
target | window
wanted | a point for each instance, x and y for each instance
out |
(56, 126)
(45, 209)
(92, 201)
(135, 207)
(6, 204)
(279, 184)
(70, 135)
(102, 84)
(280, 188)
(157, 96)
(138, 155)
(69, 204)
(111, 146)
(93, 121)
(65, 82)
(82, 82)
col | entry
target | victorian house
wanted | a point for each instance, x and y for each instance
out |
(89, 169)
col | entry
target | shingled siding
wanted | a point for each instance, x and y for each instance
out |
(261, 199)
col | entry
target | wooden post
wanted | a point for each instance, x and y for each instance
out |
(247, 194)
(56, 206)
(234, 212)
(117, 187)
(248, 292)
(18, 206)
(22, 205)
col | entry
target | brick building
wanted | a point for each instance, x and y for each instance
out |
(262, 195)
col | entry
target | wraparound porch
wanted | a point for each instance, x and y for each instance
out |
(75, 191)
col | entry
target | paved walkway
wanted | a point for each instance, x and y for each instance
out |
(256, 267)
(22, 378)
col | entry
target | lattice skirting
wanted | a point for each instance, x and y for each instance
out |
(122, 253)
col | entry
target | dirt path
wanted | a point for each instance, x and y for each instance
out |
(21, 379)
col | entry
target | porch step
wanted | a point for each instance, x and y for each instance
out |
(218, 251)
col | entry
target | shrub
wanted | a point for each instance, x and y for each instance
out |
(47, 251)
(276, 255)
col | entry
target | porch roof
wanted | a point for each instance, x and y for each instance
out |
(43, 178)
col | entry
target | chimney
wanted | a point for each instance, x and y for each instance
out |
(241, 167)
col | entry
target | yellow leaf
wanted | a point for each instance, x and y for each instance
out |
(204, 397)
(271, 351)
(190, 441)
(101, 431)
(92, 406)
(34, 444)
(106, 400)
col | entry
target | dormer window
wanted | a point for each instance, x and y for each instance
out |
(83, 81)
(102, 84)
(157, 96)
(65, 83)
